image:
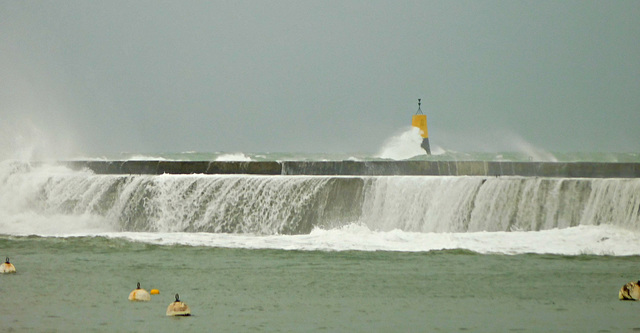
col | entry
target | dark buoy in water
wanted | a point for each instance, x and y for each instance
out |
(419, 120)
(139, 294)
(7, 267)
(178, 308)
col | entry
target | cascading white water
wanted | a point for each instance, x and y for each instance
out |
(245, 204)
(58, 199)
(613, 201)
(423, 204)
(468, 204)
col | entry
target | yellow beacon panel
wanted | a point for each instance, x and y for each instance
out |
(420, 121)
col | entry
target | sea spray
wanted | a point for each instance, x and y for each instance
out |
(30, 201)
(403, 146)
(535, 153)
(233, 157)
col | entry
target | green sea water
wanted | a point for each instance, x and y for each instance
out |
(81, 284)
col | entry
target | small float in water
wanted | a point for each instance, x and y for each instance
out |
(630, 291)
(7, 267)
(178, 308)
(139, 294)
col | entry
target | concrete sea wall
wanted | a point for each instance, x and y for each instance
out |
(371, 168)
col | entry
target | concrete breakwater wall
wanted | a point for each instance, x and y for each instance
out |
(368, 168)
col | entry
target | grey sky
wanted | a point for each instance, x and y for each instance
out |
(320, 76)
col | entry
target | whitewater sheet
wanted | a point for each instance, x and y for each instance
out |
(415, 214)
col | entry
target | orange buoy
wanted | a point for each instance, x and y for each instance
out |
(139, 294)
(7, 267)
(154, 291)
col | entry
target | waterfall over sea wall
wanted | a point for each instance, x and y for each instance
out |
(297, 204)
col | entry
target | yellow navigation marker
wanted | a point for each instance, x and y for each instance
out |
(178, 308)
(139, 294)
(419, 120)
(7, 267)
(154, 292)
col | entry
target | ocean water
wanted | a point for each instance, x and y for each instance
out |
(318, 253)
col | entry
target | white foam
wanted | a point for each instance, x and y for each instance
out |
(437, 150)
(20, 214)
(403, 146)
(25, 224)
(234, 157)
(596, 240)
(146, 158)
(591, 240)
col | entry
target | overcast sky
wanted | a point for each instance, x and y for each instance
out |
(319, 76)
